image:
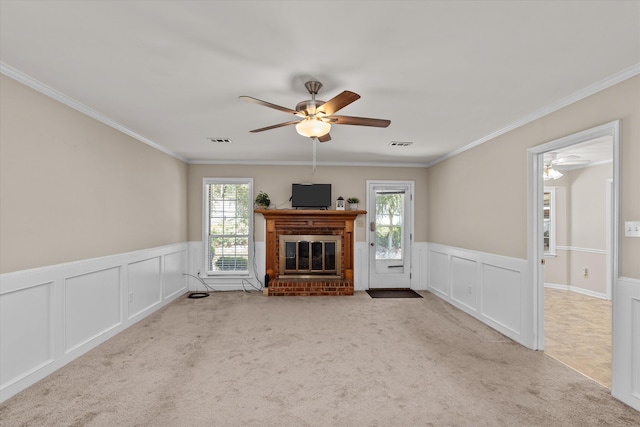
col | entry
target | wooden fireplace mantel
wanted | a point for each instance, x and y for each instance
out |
(302, 221)
(309, 214)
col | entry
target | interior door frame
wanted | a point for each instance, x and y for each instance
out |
(411, 186)
(535, 244)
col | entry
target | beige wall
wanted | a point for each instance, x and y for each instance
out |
(580, 223)
(478, 199)
(587, 214)
(276, 181)
(73, 188)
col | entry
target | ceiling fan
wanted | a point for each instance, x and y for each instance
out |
(559, 161)
(554, 163)
(316, 116)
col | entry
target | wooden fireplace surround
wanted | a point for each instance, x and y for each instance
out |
(304, 222)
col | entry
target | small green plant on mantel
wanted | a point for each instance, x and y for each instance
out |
(263, 200)
(353, 203)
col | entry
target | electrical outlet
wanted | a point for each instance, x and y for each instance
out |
(131, 296)
(585, 272)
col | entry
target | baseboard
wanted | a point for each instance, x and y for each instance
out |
(492, 288)
(52, 315)
(577, 290)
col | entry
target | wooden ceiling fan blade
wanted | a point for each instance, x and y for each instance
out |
(359, 121)
(324, 138)
(338, 102)
(279, 125)
(268, 104)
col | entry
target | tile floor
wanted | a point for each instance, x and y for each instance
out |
(577, 331)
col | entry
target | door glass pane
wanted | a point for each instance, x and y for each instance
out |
(316, 256)
(330, 256)
(389, 214)
(303, 255)
(290, 254)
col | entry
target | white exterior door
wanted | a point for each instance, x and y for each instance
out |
(390, 205)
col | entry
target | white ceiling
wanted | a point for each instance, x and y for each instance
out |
(448, 74)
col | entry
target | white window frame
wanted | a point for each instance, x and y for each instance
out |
(552, 221)
(205, 226)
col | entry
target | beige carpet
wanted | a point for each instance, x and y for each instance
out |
(243, 359)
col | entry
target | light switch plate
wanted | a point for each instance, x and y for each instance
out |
(632, 228)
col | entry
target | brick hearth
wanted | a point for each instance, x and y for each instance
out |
(305, 222)
(310, 287)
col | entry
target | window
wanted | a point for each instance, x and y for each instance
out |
(549, 221)
(228, 221)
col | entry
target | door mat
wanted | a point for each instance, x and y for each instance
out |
(393, 293)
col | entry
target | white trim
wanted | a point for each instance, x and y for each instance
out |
(625, 381)
(307, 163)
(205, 226)
(585, 250)
(52, 301)
(577, 96)
(553, 222)
(490, 287)
(76, 105)
(577, 290)
(410, 185)
(534, 217)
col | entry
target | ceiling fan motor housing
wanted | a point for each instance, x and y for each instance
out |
(313, 87)
(309, 105)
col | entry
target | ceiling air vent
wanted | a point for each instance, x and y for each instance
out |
(219, 140)
(400, 144)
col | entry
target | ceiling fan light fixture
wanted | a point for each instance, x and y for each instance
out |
(313, 128)
(551, 173)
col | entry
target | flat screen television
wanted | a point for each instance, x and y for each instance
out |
(311, 196)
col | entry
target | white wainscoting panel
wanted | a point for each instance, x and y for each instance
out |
(30, 347)
(419, 266)
(145, 285)
(173, 279)
(51, 315)
(92, 306)
(501, 284)
(635, 346)
(439, 268)
(492, 288)
(251, 282)
(360, 266)
(625, 379)
(464, 278)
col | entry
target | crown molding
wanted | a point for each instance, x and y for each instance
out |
(78, 106)
(306, 163)
(577, 96)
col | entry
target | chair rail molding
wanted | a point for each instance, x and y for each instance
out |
(51, 315)
(492, 288)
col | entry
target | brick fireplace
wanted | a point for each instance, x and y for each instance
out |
(309, 252)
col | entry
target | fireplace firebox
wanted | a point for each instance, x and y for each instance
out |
(308, 256)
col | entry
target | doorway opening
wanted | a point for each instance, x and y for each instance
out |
(574, 241)
(390, 233)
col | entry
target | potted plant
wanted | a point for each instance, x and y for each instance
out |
(262, 200)
(353, 203)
